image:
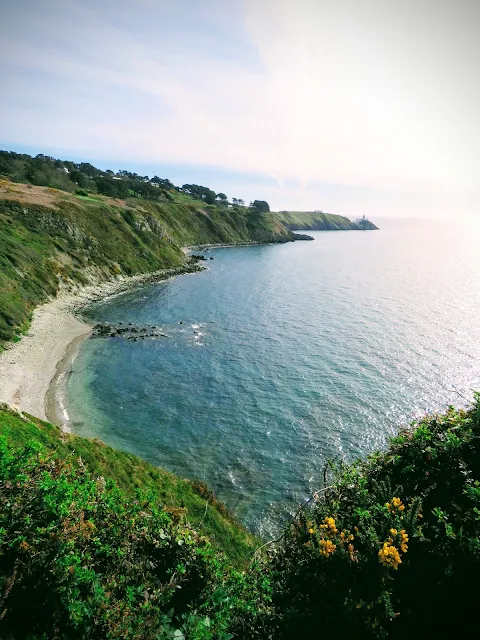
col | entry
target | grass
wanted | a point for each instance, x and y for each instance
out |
(316, 221)
(77, 239)
(87, 198)
(132, 473)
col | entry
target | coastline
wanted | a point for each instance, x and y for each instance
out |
(54, 402)
(200, 247)
(34, 370)
(27, 367)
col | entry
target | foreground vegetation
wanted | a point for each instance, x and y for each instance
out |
(391, 547)
(132, 474)
(90, 546)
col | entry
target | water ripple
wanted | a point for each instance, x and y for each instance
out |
(308, 351)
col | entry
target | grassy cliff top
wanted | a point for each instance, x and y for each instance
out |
(97, 544)
(311, 220)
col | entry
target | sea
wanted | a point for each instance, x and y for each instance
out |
(278, 358)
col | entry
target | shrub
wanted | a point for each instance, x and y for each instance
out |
(81, 192)
(80, 560)
(391, 548)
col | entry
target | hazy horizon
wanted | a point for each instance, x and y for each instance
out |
(353, 108)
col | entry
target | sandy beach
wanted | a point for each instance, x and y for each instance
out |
(28, 367)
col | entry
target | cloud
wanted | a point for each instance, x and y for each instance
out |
(372, 95)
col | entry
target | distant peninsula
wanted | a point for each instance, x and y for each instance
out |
(320, 221)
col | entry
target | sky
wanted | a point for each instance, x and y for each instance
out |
(349, 106)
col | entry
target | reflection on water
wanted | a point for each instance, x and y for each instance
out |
(280, 356)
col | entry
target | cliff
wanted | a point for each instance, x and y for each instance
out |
(313, 221)
(52, 239)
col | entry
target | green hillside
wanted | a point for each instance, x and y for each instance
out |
(315, 221)
(51, 239)
(187, 499)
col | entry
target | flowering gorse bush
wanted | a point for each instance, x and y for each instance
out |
(391, 548)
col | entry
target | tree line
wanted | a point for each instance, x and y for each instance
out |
(83, 178)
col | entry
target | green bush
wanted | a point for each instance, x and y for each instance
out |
(391, 548)
(81, 192)
(80, 560)
(132, 474)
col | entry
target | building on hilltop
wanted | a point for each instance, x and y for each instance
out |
(360, 220)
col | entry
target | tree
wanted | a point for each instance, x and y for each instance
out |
(260, 205)
(222, 197)
(88, 169)
(114, 188)
(238, 201)
(78, 177)
(200, 193)
(164, 183)
(209, 196)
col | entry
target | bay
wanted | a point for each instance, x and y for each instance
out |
(281, 356)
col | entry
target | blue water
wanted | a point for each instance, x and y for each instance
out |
(304, 351)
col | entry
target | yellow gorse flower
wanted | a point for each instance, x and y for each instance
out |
(326, 547)
(403, 541)
(395, 505)
(389, 556)
(329, 525)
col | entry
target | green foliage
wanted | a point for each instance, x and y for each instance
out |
(391, 548)
(78, 559)
(132, 474)
(260, 205)
(201, 193)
